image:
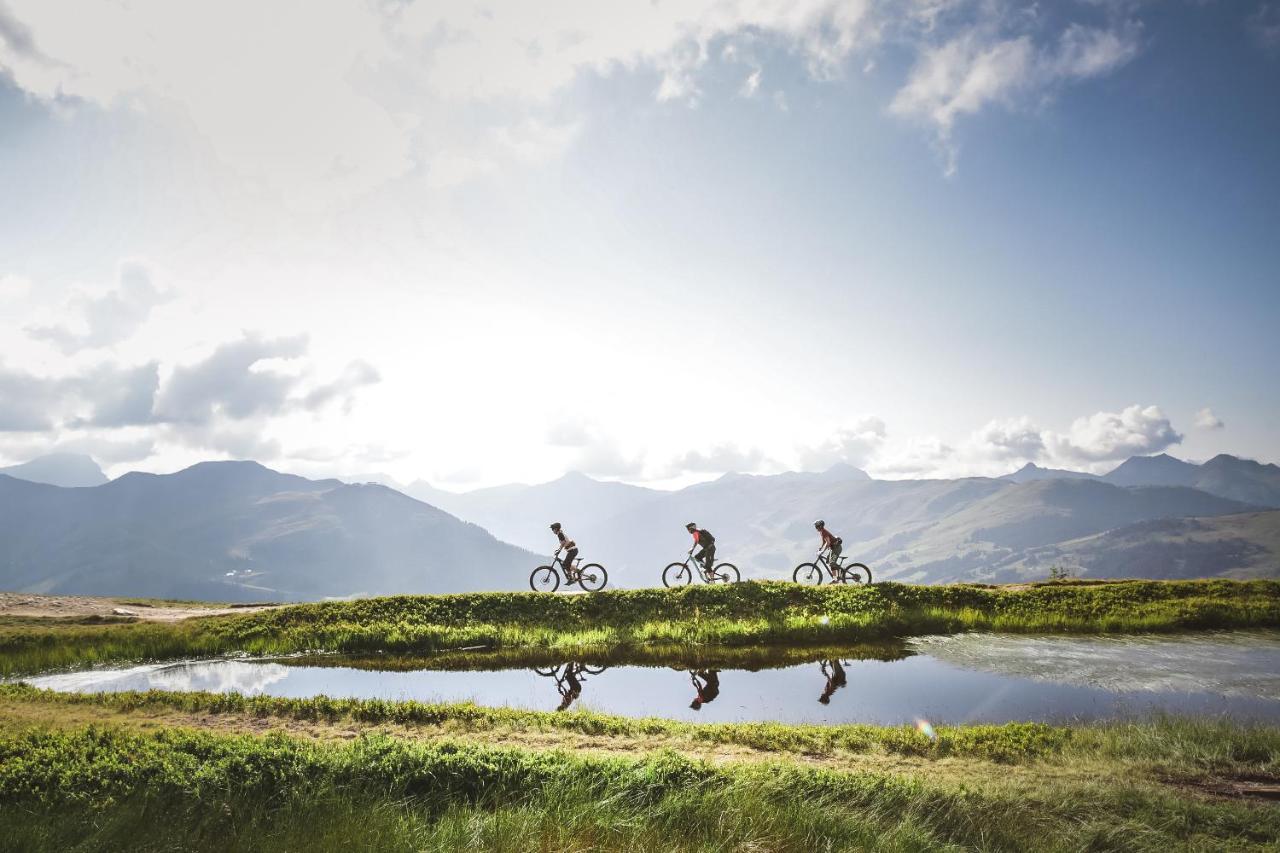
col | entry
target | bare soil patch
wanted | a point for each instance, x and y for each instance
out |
(31, 605)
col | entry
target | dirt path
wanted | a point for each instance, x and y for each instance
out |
(79, 606)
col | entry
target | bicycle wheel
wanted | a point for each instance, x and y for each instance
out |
(855, 573)
(592, 669)
(592, 577)
(544, 579)
(677, 574)
(808, 574)
(546, 670)
(725, 573)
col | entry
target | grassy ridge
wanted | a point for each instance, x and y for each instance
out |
(96, 789)
(743, 614)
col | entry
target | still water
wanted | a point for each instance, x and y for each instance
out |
(964, 678)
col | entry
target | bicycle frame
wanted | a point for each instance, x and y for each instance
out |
(702, 570)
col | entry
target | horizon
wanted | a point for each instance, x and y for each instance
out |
(375, 478)
(928, 240)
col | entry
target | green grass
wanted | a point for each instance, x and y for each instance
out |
(93, 789)
(743, 614)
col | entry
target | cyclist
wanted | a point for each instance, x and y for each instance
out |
(833, 544)
(569, 685)
(569, 547)
(707, 684)
(702, 539)
(835, 680)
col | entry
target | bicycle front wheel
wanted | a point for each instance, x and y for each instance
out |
(809, 574)
(544, 579)
(592, 577)
(677, 574)
(855, 573)
(546, 671)
(725, 573)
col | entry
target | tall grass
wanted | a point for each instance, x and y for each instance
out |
(742, 614)
(105, 789)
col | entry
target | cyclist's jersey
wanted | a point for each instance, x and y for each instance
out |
(703, 538)
(565, 541)
(828, 538)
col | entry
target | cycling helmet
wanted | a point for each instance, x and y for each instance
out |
(555, 525)
(819, 524)
(691, 526)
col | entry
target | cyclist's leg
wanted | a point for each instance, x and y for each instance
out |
(569, 557)
(710, 558)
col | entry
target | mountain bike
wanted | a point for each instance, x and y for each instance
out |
(681, 574)
(592, 577)
(822, 568)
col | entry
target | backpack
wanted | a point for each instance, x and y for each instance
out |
(705, 537)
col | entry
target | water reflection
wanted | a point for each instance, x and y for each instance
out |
(706, 687)
(568, 678)
(989, 678)
(833, 671)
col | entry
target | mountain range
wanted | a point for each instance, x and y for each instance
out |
(240, 531)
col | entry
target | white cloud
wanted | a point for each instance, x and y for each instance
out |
(984, 66)
(106, 318)
(1206, 419)
(1111, 436)
(1013, 438)
(720, 459)
(856, 444)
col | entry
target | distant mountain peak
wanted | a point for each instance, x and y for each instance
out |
(69, 470)
(1032, 472)
(845, 471)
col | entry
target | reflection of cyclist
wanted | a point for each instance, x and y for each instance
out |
(833, 544)
(835, 679)
(707, 685)
(702, 539)
(569, 686)
(569, 547)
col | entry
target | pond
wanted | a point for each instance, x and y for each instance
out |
(953, 679)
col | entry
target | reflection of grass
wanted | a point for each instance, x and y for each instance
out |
(742, 614)
(112, 789)
(753, 658)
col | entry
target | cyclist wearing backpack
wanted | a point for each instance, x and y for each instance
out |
(830, 543)
(704, 540)
(569, 547)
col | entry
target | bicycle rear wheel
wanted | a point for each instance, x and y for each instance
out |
(592, 577)
(592, 669)
(809, 574)
(725, 573)
(544, 579)
(677, 574)
(855, 573)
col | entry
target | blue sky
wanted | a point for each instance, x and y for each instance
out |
(477, 244)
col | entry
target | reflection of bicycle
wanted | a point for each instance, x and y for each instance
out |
(821, 569)
(681, 574)
(592, 577)
(569, 678)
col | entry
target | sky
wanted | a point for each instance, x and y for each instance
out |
(477, 243)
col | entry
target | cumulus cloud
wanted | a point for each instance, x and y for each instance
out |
(106, 395)
(108, 318)
(1109, 436)
(856, 444)
(1013, 438)
(231, 383)
(1206, 419)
